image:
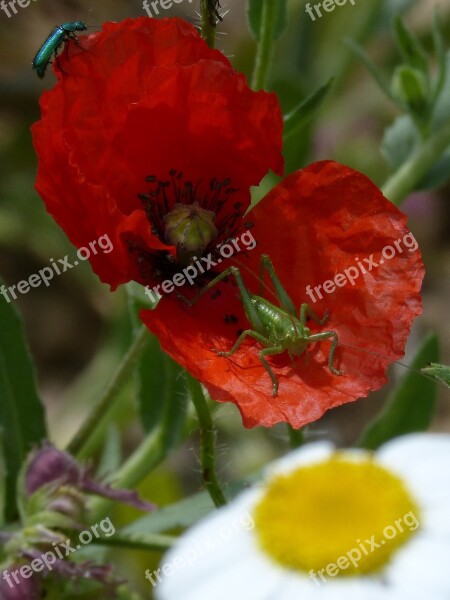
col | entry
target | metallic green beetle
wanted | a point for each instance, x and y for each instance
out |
(277, 329)
(58, 36)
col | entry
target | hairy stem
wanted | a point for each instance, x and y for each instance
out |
(207, 432)
(208, 29)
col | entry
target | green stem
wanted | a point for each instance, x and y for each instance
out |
(138, 541)
(296, 436)
(106, 402)
(145, 458)
(264, 50)
(208, 30)
(405, 180)
(151, 452)
(208, 438)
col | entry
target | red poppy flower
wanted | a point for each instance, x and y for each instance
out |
(152, 138)
(145, 119)
(321, 222)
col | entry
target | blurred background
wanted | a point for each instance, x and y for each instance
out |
(78, 330)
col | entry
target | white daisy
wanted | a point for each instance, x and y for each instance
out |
(326, 525)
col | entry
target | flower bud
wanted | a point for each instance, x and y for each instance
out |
(191, 229)
(409, 86)
(66, 483)
(50, 465)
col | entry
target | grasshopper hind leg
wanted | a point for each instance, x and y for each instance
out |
(325, 335)
(270, 352)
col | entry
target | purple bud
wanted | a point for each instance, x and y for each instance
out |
(25, 589)
(124, 496)
(49, 465)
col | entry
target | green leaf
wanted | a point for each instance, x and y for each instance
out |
(123, 593)
(439, 174)
(159, 379)
(441, 55)
(392, 8)
(182, 514)
(21, 411)
(440, 373)
(305, 111)
(111, 457)
(255, 12)
(409, 86)
(373, 70)
(185, 513)
(441, 113)
(410, 47)
(411, 406)
(400, 141)
(2, 481)
(137, 541)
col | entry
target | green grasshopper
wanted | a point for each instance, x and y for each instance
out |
(278, 329)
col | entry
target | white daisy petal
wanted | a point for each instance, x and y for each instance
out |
(210, 546)
(241, 579)
(308, 454)
(333, 588)
(229, 562)
(423, 461)
(353, 588)
(296, 586)
(435, 521)
(239, 573)
(422, 565)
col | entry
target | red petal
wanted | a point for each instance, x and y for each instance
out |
(141, 98)
(313, 226)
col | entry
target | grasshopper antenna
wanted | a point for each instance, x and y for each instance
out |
(255, 276)
(263, 285)
(379, 355)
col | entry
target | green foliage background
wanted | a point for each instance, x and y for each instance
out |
(78, 331)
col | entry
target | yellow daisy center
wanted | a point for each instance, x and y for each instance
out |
(341, 516)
